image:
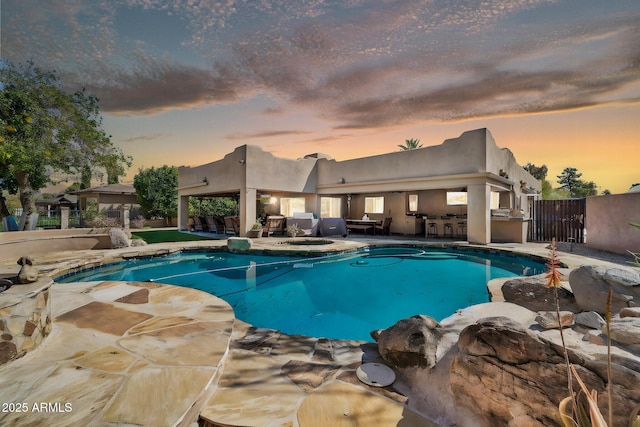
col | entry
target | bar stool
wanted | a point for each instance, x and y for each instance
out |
(432, 230)
(447, 230)
(462, 229)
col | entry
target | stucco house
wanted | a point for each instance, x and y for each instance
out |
(110, 196)
(467, 177)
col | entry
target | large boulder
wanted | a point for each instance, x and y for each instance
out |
(238, 244)
(590, 285)
(119, 239)
(532, 292)
(625, 331)
(410, 342)
(507, 375)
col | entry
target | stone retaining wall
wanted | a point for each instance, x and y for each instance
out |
(25, 318)
(23, 243)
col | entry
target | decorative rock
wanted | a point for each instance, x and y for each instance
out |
(549, 319)
(622, 277)
(630, 312)
(119, 238)
(532, 292)
(410, 342)
(591, 290)
(590, 319)
(496, 366)
(138, 242)
(238, 244)
(594, 337)
(7, 351)
(625, 331)
(28, 273)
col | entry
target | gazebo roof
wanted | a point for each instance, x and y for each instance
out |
(108, 189)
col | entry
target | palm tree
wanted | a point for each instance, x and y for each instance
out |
(411, 144)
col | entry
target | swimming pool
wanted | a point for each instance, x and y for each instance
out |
(340, 296)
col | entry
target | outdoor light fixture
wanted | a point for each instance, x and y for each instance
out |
(241, 161)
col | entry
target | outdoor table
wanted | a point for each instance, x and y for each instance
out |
(363, 224)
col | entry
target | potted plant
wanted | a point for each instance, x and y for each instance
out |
(293, 230)
(256, 230)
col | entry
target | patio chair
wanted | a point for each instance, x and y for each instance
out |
(275, 224)
(214, 224)
(384, 227)
(232, 225)
(197, 224)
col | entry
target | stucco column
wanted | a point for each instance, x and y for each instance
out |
(64, 217)
(479, 213)
(183, 212)
(125, 217)
(247, 209)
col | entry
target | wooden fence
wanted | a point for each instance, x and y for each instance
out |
(562, 219)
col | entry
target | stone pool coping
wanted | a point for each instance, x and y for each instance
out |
(149, 354)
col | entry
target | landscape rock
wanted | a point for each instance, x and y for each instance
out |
(532, 292)
(591, 290)
(595, 337)
(28, 273)
(138, 242)
(498, 363)
(622, 277)
(625, 331)
(549, 319)
(119, 238)
(410, 342)
(590, 319)
(238, 244)
(630, 312)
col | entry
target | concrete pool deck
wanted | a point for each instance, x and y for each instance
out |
(122, 353)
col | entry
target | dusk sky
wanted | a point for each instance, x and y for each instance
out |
(183, 82)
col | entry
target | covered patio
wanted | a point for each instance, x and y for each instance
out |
(468, 182)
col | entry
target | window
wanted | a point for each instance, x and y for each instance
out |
(290, 205)
(460, 198)
(330, 207)
(456, 197)
(374, 205)
(413, 203)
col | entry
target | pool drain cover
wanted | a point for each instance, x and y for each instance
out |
(376, 374)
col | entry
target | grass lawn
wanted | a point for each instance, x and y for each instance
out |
(158, 236)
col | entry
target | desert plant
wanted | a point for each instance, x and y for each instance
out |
(553, 280)
(584, 410)
(293, 230)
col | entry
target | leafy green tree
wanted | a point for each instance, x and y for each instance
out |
(569, 179)
(538, 172)
(157, 191)
(214, 206)
(44, 129)
(585, 189)
(410, 144)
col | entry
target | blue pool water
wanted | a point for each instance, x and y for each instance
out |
(341, 296)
